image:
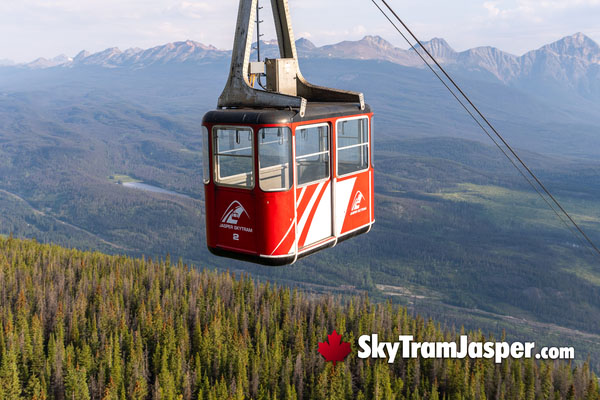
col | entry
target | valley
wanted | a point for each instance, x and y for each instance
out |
(456, 227)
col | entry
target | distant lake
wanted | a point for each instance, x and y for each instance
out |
(150, 188)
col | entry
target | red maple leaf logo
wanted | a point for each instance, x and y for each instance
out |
(335, 350)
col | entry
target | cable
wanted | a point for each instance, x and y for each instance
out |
(258, 36)
(569, 227)
(529, 171)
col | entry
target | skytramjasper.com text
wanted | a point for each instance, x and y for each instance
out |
(371, 347)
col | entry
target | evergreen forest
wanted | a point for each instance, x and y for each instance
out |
(84, 325)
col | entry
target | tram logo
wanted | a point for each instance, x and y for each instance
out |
(357, 202)
(231, 218)
(233, 213)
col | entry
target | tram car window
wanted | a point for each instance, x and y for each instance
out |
(234, 156)
(275, 158)
(312, 153)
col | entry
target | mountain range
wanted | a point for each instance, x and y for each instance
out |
(569, 64)
(571, 57)
(187, 51)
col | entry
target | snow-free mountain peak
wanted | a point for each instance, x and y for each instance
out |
(440, 49)
(578, 45)
(377, 42)
(305, 44)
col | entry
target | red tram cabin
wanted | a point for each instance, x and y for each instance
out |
(287, 166)
(280, 186)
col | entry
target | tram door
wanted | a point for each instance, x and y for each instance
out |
(234, 199)
(353, 184)
(313, 184)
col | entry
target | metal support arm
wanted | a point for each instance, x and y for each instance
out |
(239, 93)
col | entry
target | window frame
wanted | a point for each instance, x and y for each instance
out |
(206, 158)
(367, 144)
(292, 162)
(215, 155)
(329, 141)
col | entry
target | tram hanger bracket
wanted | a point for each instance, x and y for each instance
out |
(239, 93)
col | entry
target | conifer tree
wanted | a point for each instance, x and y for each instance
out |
(9, 376)
(75, 384)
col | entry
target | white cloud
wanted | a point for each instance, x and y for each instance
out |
(360, 30)
(193, 9)
(536, 10)
(306, 35)
(50, 27)
(492, 8)
(515, 26)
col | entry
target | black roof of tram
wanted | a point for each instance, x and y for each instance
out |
(255, 116)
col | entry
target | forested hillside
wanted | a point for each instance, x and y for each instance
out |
(82, 325)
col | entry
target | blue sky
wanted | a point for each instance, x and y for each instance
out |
(46, 28)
